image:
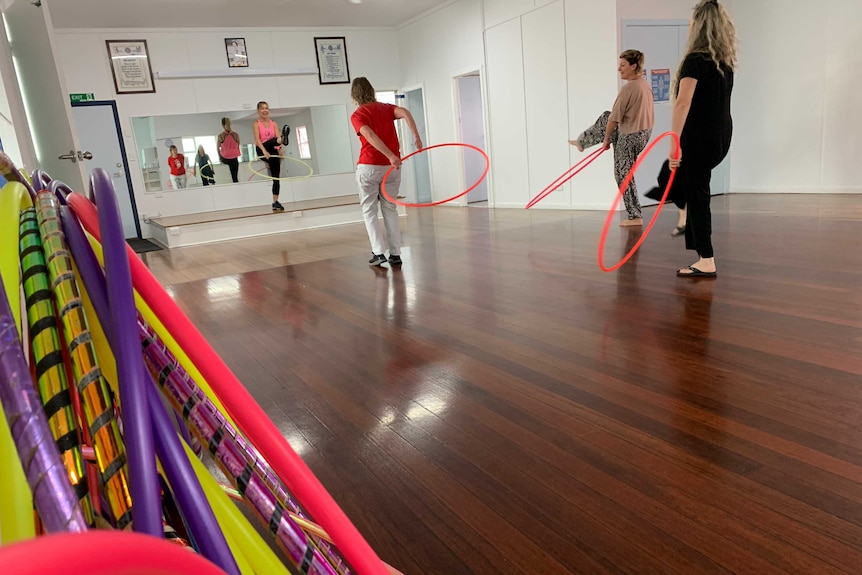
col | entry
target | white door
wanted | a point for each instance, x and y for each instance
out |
(419, 163)
(472, 132)
(44, 90)
(98, 129)
(663, 43)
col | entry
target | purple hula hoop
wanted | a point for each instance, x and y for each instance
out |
(40, 179)
(57, 504)
(187, 490)
(60, 190)
(137, 428)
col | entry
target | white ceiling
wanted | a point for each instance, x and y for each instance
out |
(233, 13)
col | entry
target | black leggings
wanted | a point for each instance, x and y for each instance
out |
(274, 163)
(233, 164)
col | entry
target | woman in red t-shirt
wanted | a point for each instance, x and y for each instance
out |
(177, 164)
(374, 123)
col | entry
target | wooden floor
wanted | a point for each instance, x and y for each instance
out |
(501, 406)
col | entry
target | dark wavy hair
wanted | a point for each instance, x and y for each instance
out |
(362, 91)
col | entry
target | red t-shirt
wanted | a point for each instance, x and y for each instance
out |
(380, 118)
(177, 165)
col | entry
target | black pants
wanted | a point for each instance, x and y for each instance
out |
(690, 190)
(233, 164)
(273, 163)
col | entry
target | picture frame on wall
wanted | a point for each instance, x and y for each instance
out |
(332, 65)
(130, 66)
(237, 55)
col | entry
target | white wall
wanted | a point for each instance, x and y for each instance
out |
(551, 69)
(796, 99)
(434, 50)
(551, 72)
(655, 9)
(371, 52)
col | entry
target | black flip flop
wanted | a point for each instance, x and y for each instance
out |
(695, 273)
(677, 231)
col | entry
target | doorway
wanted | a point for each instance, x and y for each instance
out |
(471, 125)
(43, 92)
(98, 127)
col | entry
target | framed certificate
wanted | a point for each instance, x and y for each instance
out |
(130, 64)
(332, 60)
(237, 57)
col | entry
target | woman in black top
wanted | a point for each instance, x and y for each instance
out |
(701, 115)
(203, 163)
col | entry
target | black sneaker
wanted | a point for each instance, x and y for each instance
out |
(395, 260)
(377, 260)
(277, 207)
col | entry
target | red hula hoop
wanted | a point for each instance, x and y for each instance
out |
(567, 175)
(429, 204)
(623, 186)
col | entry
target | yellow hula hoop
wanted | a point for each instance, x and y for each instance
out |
(210, 178)
(294, 178)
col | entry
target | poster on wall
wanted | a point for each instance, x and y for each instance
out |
(130, 64)
(332, 60)
(237, 57)
(660, 85)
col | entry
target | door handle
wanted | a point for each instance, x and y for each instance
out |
(84, 156)
(70, 156)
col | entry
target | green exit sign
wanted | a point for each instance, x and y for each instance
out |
(82, 98)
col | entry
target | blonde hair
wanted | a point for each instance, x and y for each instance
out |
(225, 123)
(713, 34)
(634, 58)
(362, 91)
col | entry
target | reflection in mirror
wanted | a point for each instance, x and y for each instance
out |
(319, 136)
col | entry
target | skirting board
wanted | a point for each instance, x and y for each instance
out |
(796, 191)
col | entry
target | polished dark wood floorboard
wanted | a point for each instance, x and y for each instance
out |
(502, 406)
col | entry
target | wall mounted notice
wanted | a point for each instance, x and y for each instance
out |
(660, 84)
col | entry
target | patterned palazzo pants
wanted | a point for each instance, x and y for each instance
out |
(627, 147)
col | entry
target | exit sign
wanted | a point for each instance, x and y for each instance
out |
(82, 98)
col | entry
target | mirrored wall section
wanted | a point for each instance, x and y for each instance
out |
(319, 137)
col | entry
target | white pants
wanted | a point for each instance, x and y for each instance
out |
(368, 178)
(179, 182)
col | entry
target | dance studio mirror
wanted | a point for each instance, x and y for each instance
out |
(319, 137)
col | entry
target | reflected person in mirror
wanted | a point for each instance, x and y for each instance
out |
(177, 164)
(268, 142)
(205, 165)
(229, 150)
(374, 123)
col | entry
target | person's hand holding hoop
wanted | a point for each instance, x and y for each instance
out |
(674, 159)
(395, 161)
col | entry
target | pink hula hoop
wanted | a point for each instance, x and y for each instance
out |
(623, 186)
(99, 552)
(567, 175)
(429, 204)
